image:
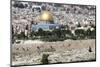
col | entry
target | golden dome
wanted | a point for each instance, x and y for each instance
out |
(46, 16)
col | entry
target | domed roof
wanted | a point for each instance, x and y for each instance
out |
(46, 16)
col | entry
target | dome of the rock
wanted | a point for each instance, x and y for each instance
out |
(46, 16)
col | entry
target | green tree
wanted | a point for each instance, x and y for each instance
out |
(91, 34)
(80, 33)
(57, 32)
(41, 32)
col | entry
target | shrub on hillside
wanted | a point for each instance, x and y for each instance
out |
(44, 59)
